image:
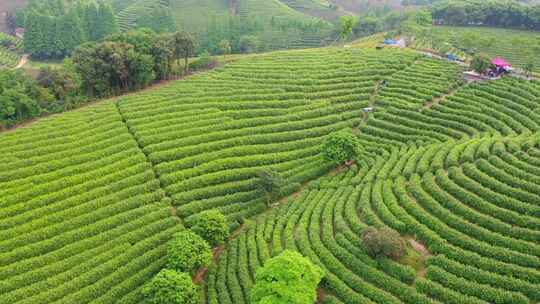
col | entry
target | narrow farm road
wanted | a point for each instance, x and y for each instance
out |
(22, 62)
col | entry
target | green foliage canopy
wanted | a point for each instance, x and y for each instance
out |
(480, 63)
(21, 98)
(340, 147)
(288, 278)
(187, 252)
(270, 182)
(383, 242)
(171, 287)
(347, 24)
(55, 28)
(211, 226)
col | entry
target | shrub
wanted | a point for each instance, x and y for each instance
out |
(288, 278)
(171, 287)
(383, 242)
(205, 61)
(248, 44)
(187, 252)
(480, 63)
(340, 147)
(270, 182)
(211, 226)
(224, 47)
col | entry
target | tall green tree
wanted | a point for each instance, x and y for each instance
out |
(480, 63)
(270, 182)
(106, 21)
(69, 33)
(163, 53)
(346, 26)
(225, 47)
(171, 287)
(184, 47)
(288, 278)
(90, 17)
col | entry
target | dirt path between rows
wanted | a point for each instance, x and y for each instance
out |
(419, 247)
(22, 62)
(216, 252)
(437, 100)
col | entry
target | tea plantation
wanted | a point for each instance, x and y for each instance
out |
(88, 199)
(519, 47)
(9, 56)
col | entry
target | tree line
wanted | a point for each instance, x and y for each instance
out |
(119, 63)
(54, 28)
(497, 13)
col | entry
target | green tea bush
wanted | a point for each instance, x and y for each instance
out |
(187, 252)
(383, 242)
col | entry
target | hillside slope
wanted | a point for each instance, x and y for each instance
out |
(519, 47)
(89, 198)
(454, 167)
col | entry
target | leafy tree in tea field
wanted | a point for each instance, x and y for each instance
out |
(171, 287)
(184, 47)
(211, 226)
(270, 182)
(383, 242)
(248, 44)
(187, 252)
(481, 63)
(341, 147)
(347, 24)
(288, 278)
(225, 48)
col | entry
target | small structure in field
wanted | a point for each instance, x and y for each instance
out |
(500, 67)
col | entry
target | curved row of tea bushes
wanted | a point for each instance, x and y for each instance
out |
(209, 135)
(83, 218)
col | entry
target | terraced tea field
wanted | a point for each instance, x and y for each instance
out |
(460, 176)
(9, 57)
(88, 198)
(518, 47)
(83, 218)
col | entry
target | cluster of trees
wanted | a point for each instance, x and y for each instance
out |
(54, 28)
(119, 63)
(239, 30)
(21, 98)
(187, 252)
(500, 13)
(131, 60)
(384, 21)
